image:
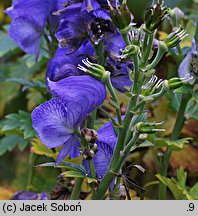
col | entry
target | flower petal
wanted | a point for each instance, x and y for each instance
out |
(85, 90)
(26, 34)
(50, 121)
(70, 148)
(106, 134)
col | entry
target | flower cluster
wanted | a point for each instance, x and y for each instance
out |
(81, 27)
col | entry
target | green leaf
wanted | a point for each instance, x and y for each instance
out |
(41, 149)
(67, 174)
(175, 144)
(178, 192)
(35, 84)
(21, 121)
(9, 142)
(194, 192)
(64, 164)
(192, 109)
(185, 89)
(175, 99)
(181, 177)
(6, 44)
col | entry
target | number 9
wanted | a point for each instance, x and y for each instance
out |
(191, 206)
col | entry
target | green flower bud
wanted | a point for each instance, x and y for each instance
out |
(94, 70)
(94, 147)
(148, 127)
(120, 16)
(176, 82)
(129, 52)
(175, 37)
(154, 17)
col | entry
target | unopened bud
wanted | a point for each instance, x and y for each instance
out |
(175, 37)
(154, 17)
(148, 127)
(94, 147)
(129, 52)
(120, 16)
(94, 70)
(89, 134)
(176, 82)
(88, 154)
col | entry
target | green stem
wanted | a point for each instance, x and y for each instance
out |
(162, 48)
(111, 172)
(76, 190)
(32, 159)
(117, 158)
(145, 42)
(101, 57)
(125, 38)
(92, 169)
(175, 135)
(115, 99)
(147, 52)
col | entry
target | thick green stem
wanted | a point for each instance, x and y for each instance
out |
(111, 172)
(175, 135)
(32, 159)
(117, 158)
(76, 190)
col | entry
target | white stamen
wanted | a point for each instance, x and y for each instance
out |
(80, 67)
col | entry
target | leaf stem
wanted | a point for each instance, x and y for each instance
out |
(32, 159)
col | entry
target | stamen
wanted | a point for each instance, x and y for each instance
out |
(84, 61)
(80, 67)
(159, 83)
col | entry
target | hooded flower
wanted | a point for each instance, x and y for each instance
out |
(189, 66)
(77, 25)
(27, 195)
(64, 65)
(28, 21)
(56, 120)
(117, 66)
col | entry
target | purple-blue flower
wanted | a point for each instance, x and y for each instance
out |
(29, 19)
(117, 66)
(77, 25)
(106, 143)
(189, 66)
(27, 195)
(56, 120)
(64, 65)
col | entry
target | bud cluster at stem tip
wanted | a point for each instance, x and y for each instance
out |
(120, 16)
(155, 16)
